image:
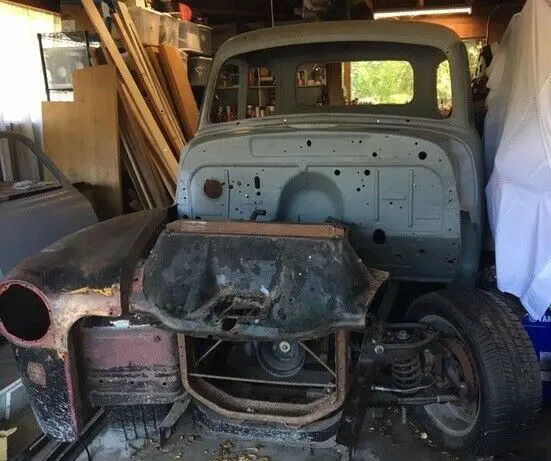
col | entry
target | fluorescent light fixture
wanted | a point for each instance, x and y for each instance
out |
(422, 12)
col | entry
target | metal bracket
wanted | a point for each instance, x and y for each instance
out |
(47, 449)
(387, 303)
(176, 411)
(357, 401)
(13, 399)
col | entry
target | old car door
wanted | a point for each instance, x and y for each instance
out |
(36, 212)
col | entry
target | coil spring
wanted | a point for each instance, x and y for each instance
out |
(407, 374)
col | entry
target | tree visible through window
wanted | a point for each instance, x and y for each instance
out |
(474, 47)
(381, 82)
(444, 88)
(443, 78)
(391, 82)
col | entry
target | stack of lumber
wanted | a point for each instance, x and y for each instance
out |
(157, 111)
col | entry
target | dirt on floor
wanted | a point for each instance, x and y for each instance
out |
(384, 438)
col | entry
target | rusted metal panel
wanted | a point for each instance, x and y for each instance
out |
(130, 364)
(255, 286)
(50, 385)
(269, 281)
(88, 273)
(288, 413)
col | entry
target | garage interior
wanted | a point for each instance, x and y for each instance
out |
(275, 230)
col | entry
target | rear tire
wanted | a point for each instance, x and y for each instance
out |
(503, 359)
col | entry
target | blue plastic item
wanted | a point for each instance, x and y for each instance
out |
(540, 334)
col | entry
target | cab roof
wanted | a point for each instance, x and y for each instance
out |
(340, 31)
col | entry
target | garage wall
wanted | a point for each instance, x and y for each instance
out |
(21, 82)
(44, 5)
(475, 25)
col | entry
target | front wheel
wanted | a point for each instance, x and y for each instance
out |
(485, 347)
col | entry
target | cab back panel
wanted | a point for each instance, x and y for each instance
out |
(396, 194)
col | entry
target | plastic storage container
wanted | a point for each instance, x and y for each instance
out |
(198, 69)
(183, 57)
(540, 334)
(205, 37)
(195, 38)
(189, 37)
(169, 31)
(148, 24)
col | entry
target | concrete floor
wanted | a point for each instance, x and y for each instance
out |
(384, 438)
(27, 429)
(7, 365)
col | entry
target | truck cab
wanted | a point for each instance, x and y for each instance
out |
(282, 137)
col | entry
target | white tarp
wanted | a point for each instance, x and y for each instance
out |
(518, 135)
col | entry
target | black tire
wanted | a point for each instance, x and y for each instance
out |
(503, 358)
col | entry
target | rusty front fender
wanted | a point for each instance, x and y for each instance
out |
(88, 273)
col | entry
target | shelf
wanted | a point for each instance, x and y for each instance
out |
(235, 87)
(311, 86)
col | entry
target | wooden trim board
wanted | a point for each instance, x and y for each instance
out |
(145, 57)
(176, 73)
(163, 115)
(267, 229)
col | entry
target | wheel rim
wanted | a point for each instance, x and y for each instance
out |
(455, 419)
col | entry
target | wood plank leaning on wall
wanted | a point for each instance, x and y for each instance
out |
(82, 137)
(176, 73)
(157, 111)
(166, 158)
(148, 79)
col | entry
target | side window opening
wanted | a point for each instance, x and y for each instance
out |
(224, 107)
(473, 47)
(444, 88)
(261, 100)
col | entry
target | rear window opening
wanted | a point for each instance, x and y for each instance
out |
(381, 82)
(366, 77)
(354, 83)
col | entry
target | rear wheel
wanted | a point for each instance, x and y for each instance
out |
(484, 349)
